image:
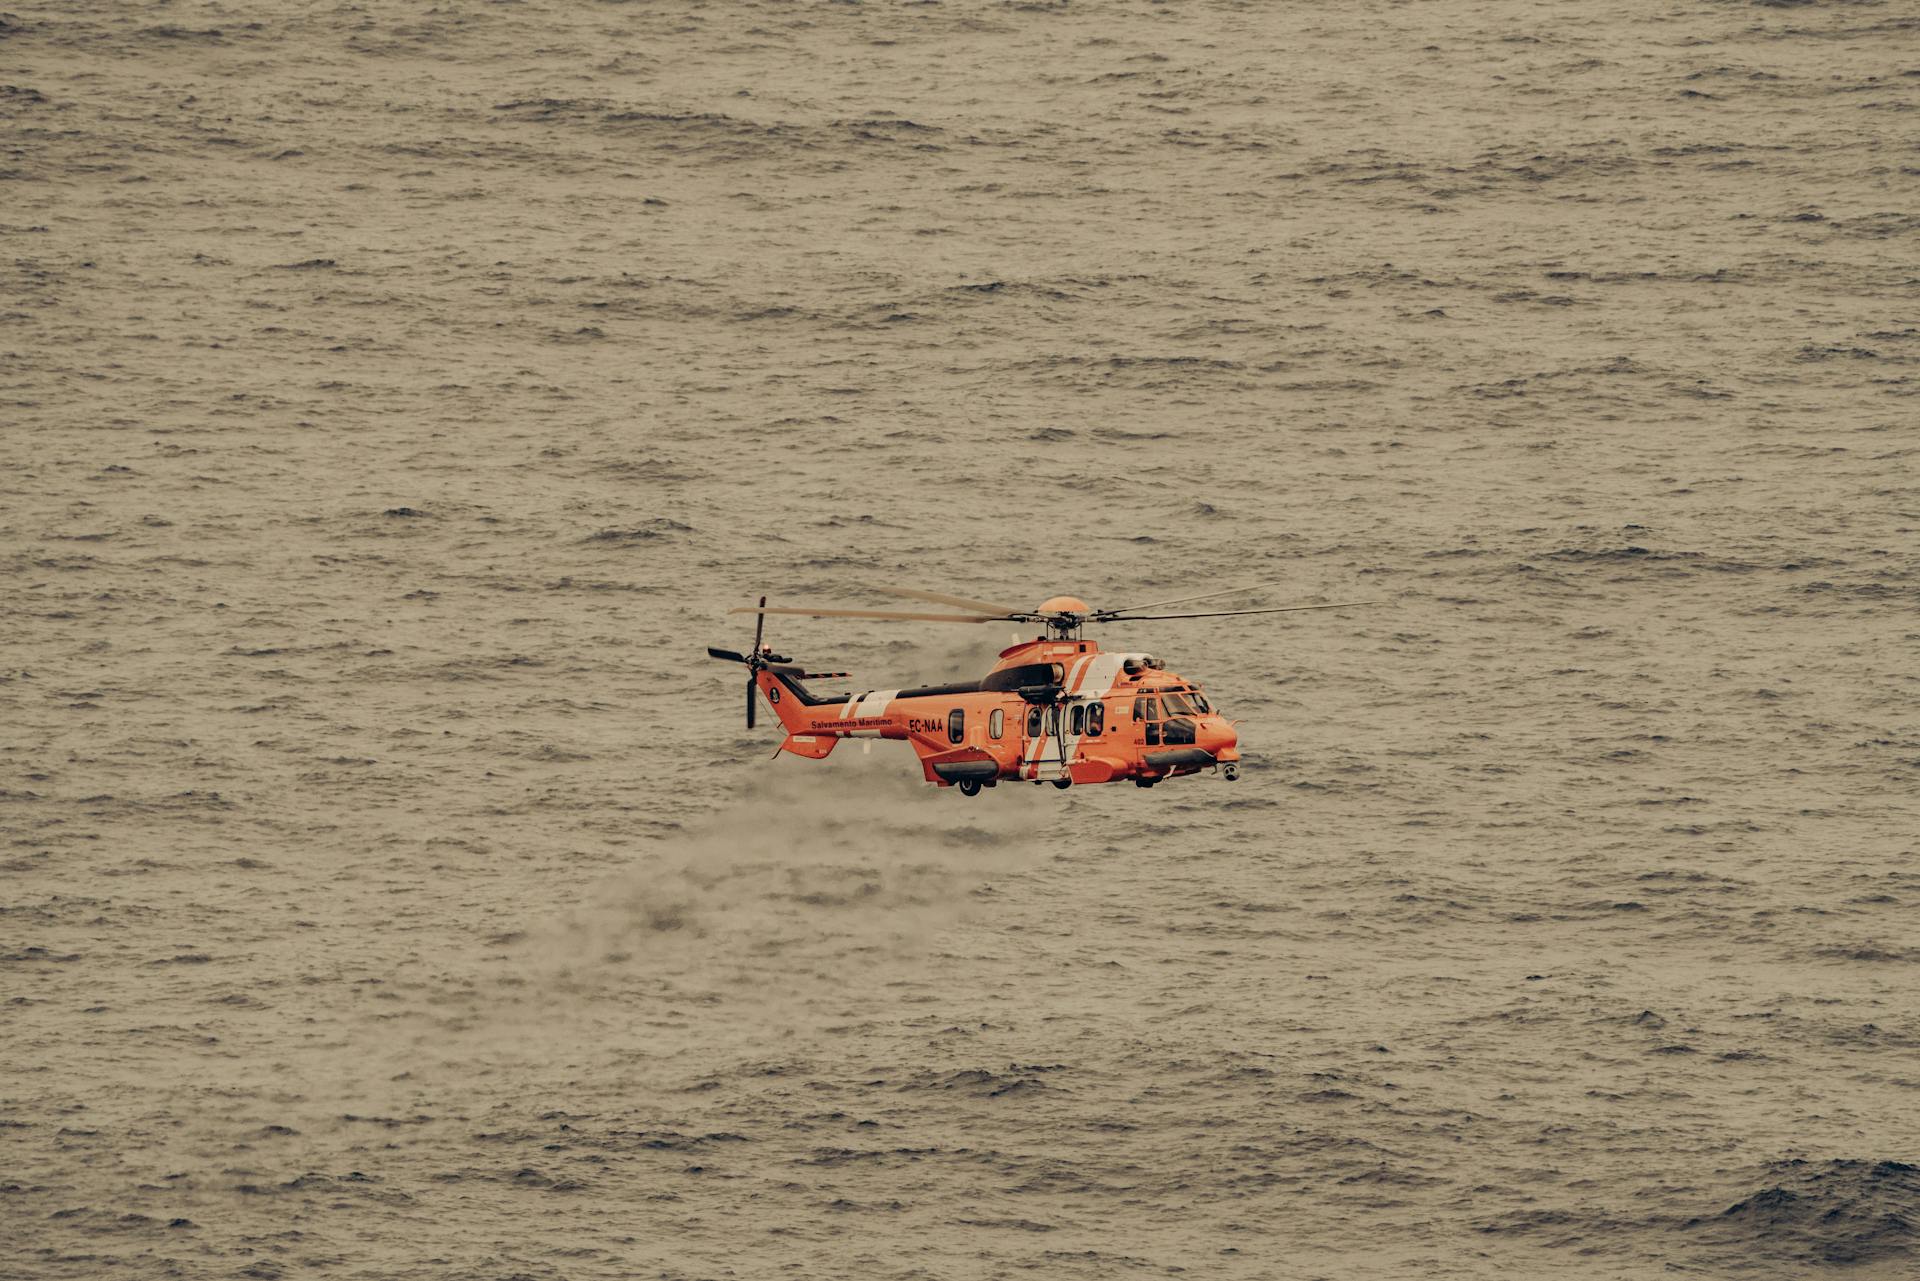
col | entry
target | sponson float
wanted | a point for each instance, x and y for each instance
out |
(1056, 709)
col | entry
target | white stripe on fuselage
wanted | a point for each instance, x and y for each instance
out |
(1089, 679)
(871, 703)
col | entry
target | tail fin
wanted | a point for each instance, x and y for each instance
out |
(789, 703)
(778, 680)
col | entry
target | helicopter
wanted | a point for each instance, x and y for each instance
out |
(1055, 709)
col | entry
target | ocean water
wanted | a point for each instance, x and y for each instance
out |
(394, 398)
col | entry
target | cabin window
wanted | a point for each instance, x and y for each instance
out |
(1054, 718)
(1096, 718)
(995, 723)
(1033, 722)
(956, 725)
(1079, 719)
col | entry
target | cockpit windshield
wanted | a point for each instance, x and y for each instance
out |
(1185, 702)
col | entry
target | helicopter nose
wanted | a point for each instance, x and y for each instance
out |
(1218, 737)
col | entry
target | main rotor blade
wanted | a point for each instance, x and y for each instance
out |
(895, 614)
(1227, 613)
(727, 654)
(759, 626)
(1182, 600)
(938, 598)
(750, 700)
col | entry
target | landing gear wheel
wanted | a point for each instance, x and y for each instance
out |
(969, 787)
(1230, 771)
(1145, 782)
(1063, 783)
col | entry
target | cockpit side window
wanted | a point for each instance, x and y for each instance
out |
(1177, 704)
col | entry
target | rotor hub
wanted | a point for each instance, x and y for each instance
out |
(1063, 615)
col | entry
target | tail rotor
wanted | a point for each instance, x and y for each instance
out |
(759, 630)
(754, 659)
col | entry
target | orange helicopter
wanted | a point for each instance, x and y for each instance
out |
(1056, 709)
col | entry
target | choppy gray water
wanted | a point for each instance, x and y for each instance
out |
(394, 397)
